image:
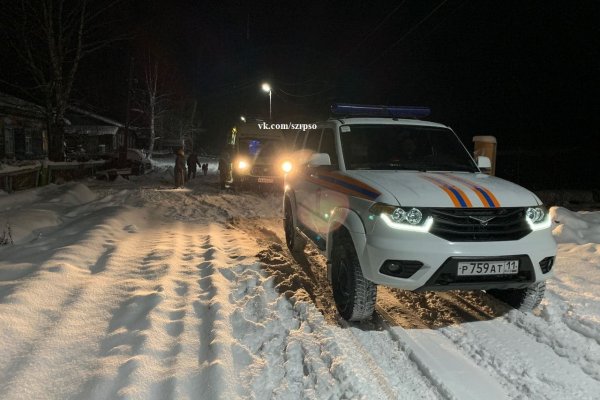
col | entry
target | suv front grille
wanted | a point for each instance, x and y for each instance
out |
(479, 224)
(263, 170)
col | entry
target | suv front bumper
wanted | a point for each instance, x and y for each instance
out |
(440, 259)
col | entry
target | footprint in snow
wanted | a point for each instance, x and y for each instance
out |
(131, 228)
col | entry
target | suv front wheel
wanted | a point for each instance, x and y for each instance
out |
(522, 299)
(354, 295)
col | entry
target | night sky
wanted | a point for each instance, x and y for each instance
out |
(527, 72)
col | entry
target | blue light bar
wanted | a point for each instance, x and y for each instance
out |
(380, 111)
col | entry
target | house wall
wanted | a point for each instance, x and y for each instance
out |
(22, 138)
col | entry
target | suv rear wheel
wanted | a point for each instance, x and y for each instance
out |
(526, 299)
(354, 295)
(294, 241)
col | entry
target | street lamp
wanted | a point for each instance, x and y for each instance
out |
(267, 88)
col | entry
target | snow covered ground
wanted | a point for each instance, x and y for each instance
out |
(132, 289)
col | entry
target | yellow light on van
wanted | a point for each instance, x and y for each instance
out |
(242, 164)
(286, 166)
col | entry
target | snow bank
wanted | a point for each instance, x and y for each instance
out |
(76, 194)
(27, 213)
(575, 227)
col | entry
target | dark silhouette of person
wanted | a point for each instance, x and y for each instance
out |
(192, 161)
(224, 170)
(205, 168)
(179, 172)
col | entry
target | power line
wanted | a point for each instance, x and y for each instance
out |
(367, 36)
(411, 30)
(305, 95)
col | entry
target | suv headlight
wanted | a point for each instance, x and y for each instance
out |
(286, 166)
(404, 218)
(538, 218)
(242, 165)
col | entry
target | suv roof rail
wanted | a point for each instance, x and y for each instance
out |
(341, 110)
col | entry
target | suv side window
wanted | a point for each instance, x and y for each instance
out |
(312, 141)
(328, 146)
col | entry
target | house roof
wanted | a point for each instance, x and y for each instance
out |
(91, 130)
(16, 106)
(78, 116)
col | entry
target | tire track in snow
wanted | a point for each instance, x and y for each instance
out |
(548, 328)
(444, 366)
(369, 346)
(345, 358)
(121, 346)
(156, 377)
(166, 275)
(525, 367)
(282, 353)
(410, 319)
(215, 359)
(553, 329)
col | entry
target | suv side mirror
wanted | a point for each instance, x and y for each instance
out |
(319, 159)
(484, 163)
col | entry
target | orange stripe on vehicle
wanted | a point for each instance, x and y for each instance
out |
(339, 188)
(458, 197)
(347, 185)
(485, 195)
(352, 181)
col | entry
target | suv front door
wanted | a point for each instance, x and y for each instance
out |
(306, 190)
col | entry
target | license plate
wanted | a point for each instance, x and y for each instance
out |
(488, 267)
(265, 180)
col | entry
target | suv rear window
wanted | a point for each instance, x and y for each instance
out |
(404, 147)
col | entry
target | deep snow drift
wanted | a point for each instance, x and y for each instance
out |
(132, 289)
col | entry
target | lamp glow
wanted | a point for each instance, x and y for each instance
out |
(286, 166)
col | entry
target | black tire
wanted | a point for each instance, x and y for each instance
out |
(527, 299)
(294, 240)
(354, 295)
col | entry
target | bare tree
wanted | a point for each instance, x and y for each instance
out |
(154, 98)
(50, 38)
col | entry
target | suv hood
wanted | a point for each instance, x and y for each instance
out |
(445, 189)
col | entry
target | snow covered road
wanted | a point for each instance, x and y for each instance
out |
(136, 290)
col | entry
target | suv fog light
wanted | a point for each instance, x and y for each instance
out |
(401, 269)
(393, 267)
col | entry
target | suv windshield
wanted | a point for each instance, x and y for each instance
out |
(404, 147)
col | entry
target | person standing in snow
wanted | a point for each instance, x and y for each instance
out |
(192, 161)
(224, 170)
(180, 169)
(205, 168)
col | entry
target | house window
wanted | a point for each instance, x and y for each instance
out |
(2, 152)
(28, 142)
(9, 142)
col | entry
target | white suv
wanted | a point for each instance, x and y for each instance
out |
(400, 202)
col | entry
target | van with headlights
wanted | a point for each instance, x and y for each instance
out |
(258, 157)
(391, 199)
